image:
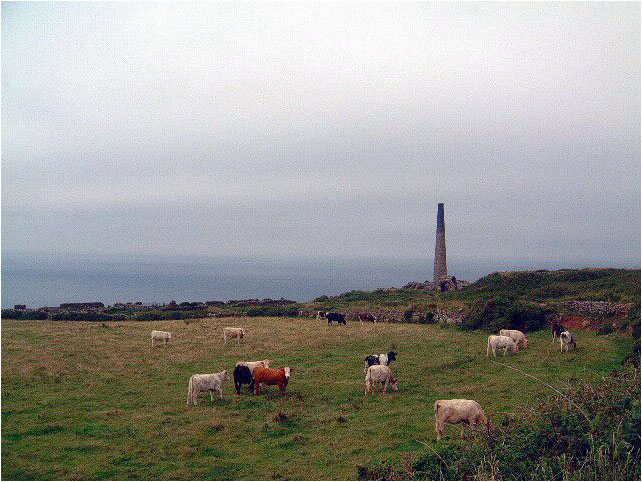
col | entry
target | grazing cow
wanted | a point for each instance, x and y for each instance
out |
(383, 359)
(516, 335)
(556, 329)
(505, 342)
(230, 332)
(206, 383)
(320, 315)
(271, 376)
(381, 374)
(567, 341)
(466, 412)
(164, 336)
(366, 317)
(338, 317)
(243, 373)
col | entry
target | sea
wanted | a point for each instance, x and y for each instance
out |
(49, 280)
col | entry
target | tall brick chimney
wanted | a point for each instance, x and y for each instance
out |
(441, 272)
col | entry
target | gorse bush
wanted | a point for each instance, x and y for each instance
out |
(593, 433)
(496, 314)
(85, 316)
(24, 314)
(273, 311)
(168, 315)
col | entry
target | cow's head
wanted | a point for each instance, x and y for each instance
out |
(266, 363)
(226, 376)
(169, 336)
(287, 371)
(392, 356)
(393, 384)
(242, 332)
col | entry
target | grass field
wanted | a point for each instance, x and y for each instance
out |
(94, 400)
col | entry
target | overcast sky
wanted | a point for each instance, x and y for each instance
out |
(322, 129)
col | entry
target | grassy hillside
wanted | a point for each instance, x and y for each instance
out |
(95, 401)
(594, 284)
(616, 285)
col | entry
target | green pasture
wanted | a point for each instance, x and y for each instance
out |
(92, 400)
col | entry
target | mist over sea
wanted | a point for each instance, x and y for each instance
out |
(48, 280)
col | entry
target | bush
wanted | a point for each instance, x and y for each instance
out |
(24, 314)
(553, 441)
(496, 314)
(273, 311)
(605, 330)
(321, 299)
(80, 316)
(168, 315)
(407, 315)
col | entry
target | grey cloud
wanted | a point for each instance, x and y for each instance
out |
(322, 129)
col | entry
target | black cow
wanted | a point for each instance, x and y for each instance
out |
(242, 376)
(338, 317)
(556, 329)
(383, 359)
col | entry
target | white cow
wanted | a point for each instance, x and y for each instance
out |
(253, 364)
(466, 412)
(516, 335)
(381, 374)
(206, 383)
(164, 336)
(567, 341)
(502, 342)
(230, 332)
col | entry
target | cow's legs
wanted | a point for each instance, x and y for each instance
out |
(220, 393)
(439, 429)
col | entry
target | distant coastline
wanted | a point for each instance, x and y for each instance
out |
(49, 280)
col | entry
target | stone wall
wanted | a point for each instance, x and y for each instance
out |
(599, 308)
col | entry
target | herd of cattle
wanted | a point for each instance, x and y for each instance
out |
(376, 367)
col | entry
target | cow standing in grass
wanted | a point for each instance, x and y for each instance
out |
(269, 376)
(466, 412)
(496, 342)
(382, 375)
(382, 359)
(211, 382)
(164, 336)
(244, 373)
(516, 335)
(556, 329)
(231, 332)
(366, 317)
(567, 341)
(338, 317)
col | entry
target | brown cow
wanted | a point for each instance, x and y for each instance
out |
(271, 376)
(366, 317)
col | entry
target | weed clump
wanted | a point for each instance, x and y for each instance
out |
(281, 417)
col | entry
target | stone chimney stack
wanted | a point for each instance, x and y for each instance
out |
(441, 272)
